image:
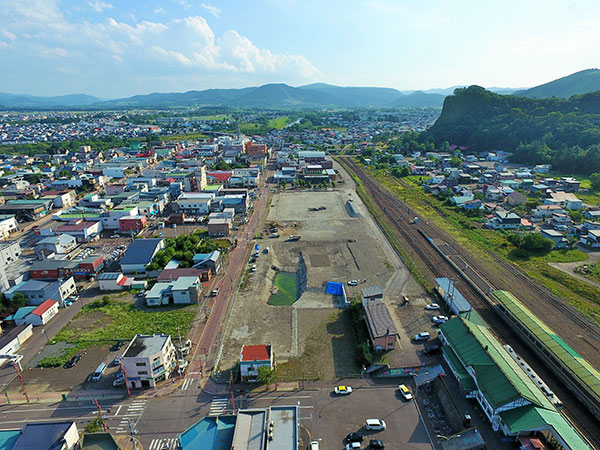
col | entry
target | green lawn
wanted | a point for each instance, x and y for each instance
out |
(278, 123)
(288, 293)
(99, 323)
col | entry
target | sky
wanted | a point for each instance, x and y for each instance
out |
(119, 48)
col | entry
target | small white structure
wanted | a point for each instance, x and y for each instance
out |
(43, 313)
(148, 359)
(113, 281)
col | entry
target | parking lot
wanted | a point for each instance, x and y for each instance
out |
(329, 418)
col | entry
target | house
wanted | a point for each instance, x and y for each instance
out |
(113, 281)
(591, 239)
(557, 237)
(82, 230)
(21, 315)
(148, 359)
(139, 254)
(183, 290)
(252, 357)
(208, 261)
(8, 225)
(173, 274)
(382, 329)
(371, 293)
(560, 221)
(592, 214)
(515, 198)
(12, 340)
(570, 184)
(37, 291)
(545, 211)
(48, 436)
(194, 203)
(542, 168)
(43, 313)
(567, 200)
(61, 244)
(503, 220)
(219, 227)
(132, 224)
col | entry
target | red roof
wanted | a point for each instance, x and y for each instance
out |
(42, 308)
(256, 353)
(122, 281)
(222, 176)
(75, 226)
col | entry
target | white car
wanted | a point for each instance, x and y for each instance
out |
(353, 283)
(405, 392)
(422, 336)
(439, 319)
(343, 390)
(432, 306)
(353, 446)
(374, 425)
(314, 445)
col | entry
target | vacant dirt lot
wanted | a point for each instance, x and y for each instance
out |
(335, 245)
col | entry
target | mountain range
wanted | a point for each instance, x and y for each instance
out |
(282, 96)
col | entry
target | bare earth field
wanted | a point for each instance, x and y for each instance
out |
(314, 336)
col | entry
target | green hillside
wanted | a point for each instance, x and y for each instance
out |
(577, 83)
(562, 132)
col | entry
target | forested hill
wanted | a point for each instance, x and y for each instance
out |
(562, 132)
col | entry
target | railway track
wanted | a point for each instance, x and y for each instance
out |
(400, 216)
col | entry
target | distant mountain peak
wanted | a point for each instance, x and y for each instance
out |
(578, 83)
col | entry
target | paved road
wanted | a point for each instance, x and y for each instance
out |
(227, 285)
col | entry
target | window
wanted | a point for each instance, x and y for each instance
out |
(142, 372)
(140, 364)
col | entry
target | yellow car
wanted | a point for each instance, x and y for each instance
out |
(405, 392)
(343, 390)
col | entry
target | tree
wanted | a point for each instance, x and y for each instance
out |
(266, 375)
(18, 300)
(595, 181)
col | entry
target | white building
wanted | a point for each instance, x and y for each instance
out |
(148, 359)
(8, 225)
(43, 313)
(252, 357)
(113, 281)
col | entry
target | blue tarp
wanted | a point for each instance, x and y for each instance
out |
(335, 288)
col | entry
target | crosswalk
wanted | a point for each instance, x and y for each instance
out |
(218, 406)
(164, 443)
(187, 384)
(133, 412)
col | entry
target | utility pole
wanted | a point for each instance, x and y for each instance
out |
(21, 380)
(231, 386)
(124, 376)
(101, 416)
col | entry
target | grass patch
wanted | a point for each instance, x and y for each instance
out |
(279, 122)
(182, 137)
(100, 322)
(288, 291)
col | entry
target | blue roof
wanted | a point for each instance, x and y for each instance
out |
(211, 433)
(21, 314)
(140, 251)
(461, 303)
(8, 438)
(335, 288)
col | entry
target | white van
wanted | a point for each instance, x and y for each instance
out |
(374, 424)
(98, 373)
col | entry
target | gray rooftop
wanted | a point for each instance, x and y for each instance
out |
(285, 428)
(109, 276)
(372, 291)
(250, 430)
(379, 320)
(143, 346)
(41, 436)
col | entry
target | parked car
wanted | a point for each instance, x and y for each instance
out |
(376, 443)
(215, 292)
(343, 390)
(422, 336)
(73, 298)
(405, 392)
(432, 306)
(439, 319)
(116, 361)
(354, 437)
(314, 445)
(68, 303)
(353, 283)
(353, 446)
(432, 349)
(74, 360)
(118, 382)
(117, 346)
(253, 268)
(374, 424)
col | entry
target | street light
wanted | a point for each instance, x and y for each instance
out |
(47, 338)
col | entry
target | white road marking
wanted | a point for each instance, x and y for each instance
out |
(118, 409)
(159, 444)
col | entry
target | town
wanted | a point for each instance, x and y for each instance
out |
(234, 291)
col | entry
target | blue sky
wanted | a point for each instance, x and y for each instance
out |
(118, 48)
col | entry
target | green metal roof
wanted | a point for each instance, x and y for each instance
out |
(588, 374)
(497, 375)
(531, 418)
(465, 380)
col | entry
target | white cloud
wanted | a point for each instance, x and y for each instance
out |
(99, 6)
(178, 49)
(211, 9)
